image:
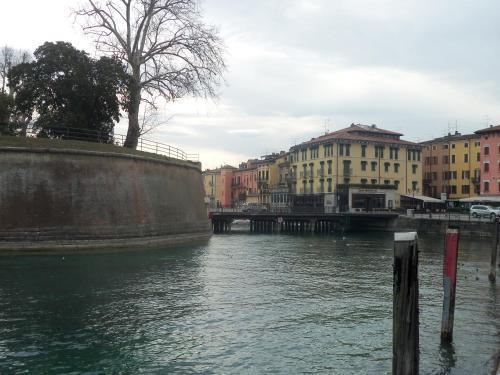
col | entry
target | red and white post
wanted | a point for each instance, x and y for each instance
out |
(449, 283)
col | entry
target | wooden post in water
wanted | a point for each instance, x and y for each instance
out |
(405, 354)
(493, 265)
(449, 283)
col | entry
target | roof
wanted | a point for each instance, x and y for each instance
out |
(481, 199)
(450, 137)
(424, 199)
(358, 132)
(491, 128)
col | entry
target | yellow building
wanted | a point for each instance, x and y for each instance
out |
(357, 168)
(452, 166)
(212, 185)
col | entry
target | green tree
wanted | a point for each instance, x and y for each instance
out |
(63, 88)
(6, 112)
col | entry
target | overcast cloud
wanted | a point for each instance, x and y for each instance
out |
(411, 66)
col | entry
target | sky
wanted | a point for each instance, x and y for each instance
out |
(298, 68)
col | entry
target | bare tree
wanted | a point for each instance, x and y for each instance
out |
(10, 57)
(150, 119)
(6, 57)
(169, 50)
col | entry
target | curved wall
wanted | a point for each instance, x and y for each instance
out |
(53, 198)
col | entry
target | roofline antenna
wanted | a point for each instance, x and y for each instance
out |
(326, 124)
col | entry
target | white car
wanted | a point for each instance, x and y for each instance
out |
(486, 211)
(253, 207)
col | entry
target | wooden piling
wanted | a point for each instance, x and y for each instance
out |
(449, 283)
(494, 250)
(405, 319)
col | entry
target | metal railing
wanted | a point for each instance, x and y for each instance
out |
(97, 136)
(453, 216)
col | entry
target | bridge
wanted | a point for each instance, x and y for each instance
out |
(302, 222)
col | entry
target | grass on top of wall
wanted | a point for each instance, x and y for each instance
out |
(45, 143)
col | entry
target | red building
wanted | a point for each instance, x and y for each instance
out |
(490, 160)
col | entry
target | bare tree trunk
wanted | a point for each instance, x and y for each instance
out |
(133, 132)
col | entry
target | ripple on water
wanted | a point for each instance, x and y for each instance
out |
(241, 304)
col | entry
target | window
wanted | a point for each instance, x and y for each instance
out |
(363, 166)
(303, 154)
(486, 167)
(453, 145)
(445, 147)
(327, 150)
(374, 166)
(387, 182)
(453, 175)
(452, 159)
(314, 153)
(414, 185)
(329, 185)
(347, 167)
(341, 149)
(414, 168)
(466, 145)
(363, 151)
(465, 189)
(486, 150)
(466, 158)
(445, 159)
(396, 167)
(364, 181)
(386, 167)
(396, 183)
(374, 181)
(329, 162)
(486, 186)
(347, 150)
(393, 153)
(477, 144)
(379, 152)
(465, 175)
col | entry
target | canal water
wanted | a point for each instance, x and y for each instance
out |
(240, 304)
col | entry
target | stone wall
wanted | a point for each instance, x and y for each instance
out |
(51, 198)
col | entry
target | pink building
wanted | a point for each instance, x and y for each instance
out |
(490, 160)
(244, 183)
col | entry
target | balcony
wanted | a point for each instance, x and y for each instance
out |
(347, 172)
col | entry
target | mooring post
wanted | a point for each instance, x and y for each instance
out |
(493, 265)
(405, 355)
(449, 283)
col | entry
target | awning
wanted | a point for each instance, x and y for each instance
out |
(481, 199)
(424, 199)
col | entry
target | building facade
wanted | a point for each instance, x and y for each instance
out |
(212, 185)
(452, 166)
(362, 167)
(490, 160)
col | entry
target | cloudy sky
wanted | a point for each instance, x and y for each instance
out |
(298, 67)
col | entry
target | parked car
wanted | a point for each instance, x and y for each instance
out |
(253, 207)
(485, 211)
